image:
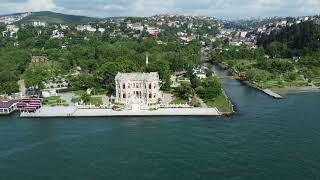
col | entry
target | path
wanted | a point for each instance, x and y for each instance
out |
(204, 105)
(22, 87)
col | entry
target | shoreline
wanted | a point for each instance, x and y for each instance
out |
(296, 90)
(283, 91)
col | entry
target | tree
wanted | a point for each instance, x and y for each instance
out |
(163, 68)
(85, 98)
(185, 91)
(35, 75)
(107, 72)
(210, 88)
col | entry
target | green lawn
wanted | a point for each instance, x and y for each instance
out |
(221, 103)
(97, 101)
(178, 100)
(280, 84)
(54, 101)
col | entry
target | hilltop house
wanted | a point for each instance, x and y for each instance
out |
(38, 23)
(11, 31)
(136, 26)
(88, 28)
(57, 34)
(39, 59)
(138, 90)
(153, 31)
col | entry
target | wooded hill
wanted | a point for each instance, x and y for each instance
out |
(56, 18)
(295, 41)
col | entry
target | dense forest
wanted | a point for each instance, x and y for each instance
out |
(294, 41)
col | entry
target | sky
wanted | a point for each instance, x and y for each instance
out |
(235, 9)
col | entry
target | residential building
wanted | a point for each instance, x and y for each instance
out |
(39, 59)
(88, 28)
(153, 31)
(101, 30)
(136, 26)
(11, 31)
(57, 34)
(38, 23)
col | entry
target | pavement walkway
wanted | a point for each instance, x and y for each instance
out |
(72, 111)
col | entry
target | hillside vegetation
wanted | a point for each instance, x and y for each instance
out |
(56, 18)
(294, 58)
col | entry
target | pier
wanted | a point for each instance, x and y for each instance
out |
(272, 94)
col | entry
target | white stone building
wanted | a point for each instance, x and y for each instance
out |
(11, 31)
(138, 90)
(57, 34)
(38, 23)
(88, 28)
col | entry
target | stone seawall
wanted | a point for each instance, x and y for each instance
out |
(74, 112)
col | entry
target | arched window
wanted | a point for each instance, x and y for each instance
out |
(150, 86)
(124, 86)
(124, 96)
(150, 95)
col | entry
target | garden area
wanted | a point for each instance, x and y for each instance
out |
(220, 102)
(88, 100)
(270, 73)
(54, 101)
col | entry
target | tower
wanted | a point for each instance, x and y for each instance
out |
(147, 58)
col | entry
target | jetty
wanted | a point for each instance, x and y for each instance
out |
(72, 111)
(272, 94)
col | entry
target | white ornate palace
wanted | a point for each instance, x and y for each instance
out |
(138, 90)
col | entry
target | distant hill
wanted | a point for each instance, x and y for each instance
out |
(56, 18)
(296, 40)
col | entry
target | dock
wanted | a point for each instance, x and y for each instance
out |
(272, 94)
(75, 112)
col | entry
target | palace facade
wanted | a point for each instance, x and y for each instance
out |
(138, 89)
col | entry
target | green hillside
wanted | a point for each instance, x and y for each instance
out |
(56, 18)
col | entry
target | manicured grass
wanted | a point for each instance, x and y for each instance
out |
(282, 84)
(54, 101)
(220, 102)
(97, 101)
(79, 92)
(269, 84)
(178, 100)
(94, 92)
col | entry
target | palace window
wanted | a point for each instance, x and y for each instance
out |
(150, 95)
(124, 86)
(150, 86)
(124, 96)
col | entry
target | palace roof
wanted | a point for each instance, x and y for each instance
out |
(152, 76)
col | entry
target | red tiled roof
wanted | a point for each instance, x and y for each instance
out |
(6, 104)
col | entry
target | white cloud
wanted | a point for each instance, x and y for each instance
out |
(29, 5)
(310, 6)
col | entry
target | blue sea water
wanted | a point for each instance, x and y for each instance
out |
(267, 139)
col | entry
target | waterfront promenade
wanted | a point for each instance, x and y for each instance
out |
(75, 112)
